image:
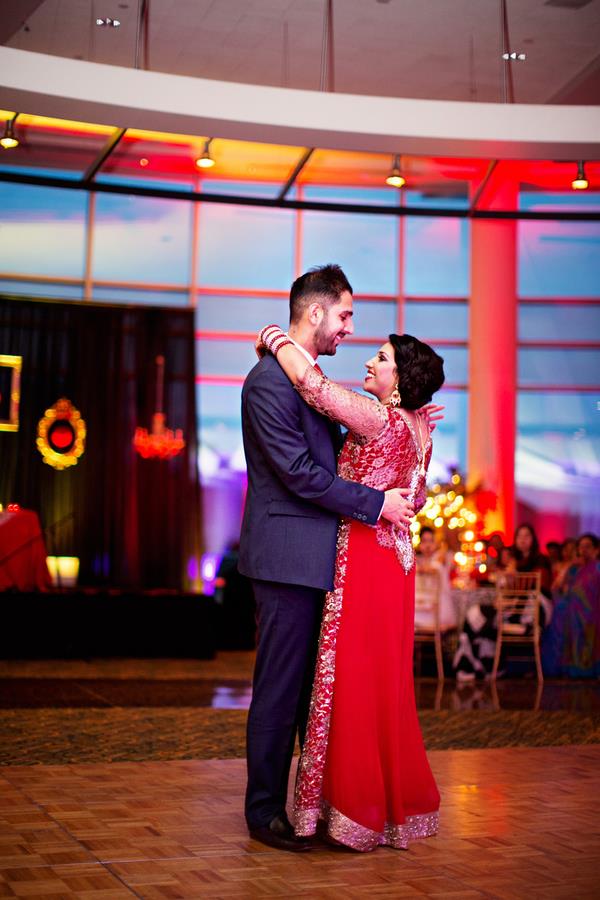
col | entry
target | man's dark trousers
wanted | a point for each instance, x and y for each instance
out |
(288, 618)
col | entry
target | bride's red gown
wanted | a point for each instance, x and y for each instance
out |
(363, 768)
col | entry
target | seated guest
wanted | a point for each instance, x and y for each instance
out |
(571, 643)
(530, 559)
(567, 558)
(477, 642)
(429, 558)
(553, 549)
(495, 546)
(507, 564)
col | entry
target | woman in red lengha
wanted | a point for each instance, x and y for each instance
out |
(363, 770)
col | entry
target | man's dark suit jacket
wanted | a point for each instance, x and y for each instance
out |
(294, 496)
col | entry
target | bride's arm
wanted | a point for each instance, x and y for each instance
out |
(360, 415)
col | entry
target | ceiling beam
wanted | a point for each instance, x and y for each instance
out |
(127, 97)
(483, 184)
(296, 171)
(14, 16)
(106, 151)
(313, 205)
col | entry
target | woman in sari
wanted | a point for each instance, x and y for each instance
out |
(363, 776)
(571, 644)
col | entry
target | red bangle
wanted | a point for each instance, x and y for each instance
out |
(274, 338)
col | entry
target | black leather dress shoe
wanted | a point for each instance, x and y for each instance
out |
(280, 834)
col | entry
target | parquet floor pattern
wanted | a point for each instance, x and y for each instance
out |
(517, 824)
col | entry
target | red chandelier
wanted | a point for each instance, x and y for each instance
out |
(161, 442)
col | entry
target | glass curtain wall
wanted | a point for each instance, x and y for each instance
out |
(235, 264)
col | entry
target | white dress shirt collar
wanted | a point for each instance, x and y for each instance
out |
(304, 352)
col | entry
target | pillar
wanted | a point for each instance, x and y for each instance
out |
(493, 356)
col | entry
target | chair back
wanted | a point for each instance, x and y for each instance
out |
(428, 586)
(518, 594)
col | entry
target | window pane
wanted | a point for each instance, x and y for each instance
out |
(436, 257)
(103, 294)
(559, 259)
(225, 357)
(450, 437)
(371, 318)
(558, 367)
(244, 246)
(562, 429)
(365, 246)
(437, 320)
(349, 362)
(220, 417)
(142, 239)
(558, 458)
(42, 230)
(563, 201)
(328, 193)
(460, 200)
(456, 363)
(42, 289)
(374, 319)
(240, 313)
(563, 323)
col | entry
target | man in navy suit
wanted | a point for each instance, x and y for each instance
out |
(288, 542)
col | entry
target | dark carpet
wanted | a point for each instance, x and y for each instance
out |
(62, 736)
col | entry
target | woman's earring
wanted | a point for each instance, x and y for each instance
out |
(395, 398)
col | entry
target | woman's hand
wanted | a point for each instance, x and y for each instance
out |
(259, 347)
(431, 414)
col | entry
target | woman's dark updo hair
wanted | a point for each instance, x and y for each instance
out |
(420, 370)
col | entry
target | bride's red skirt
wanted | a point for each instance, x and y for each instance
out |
(375, 783)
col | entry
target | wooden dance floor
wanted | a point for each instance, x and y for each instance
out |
(516, 823)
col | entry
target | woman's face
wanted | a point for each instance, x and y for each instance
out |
(523, 540)
(427, 544)
(586, 550)
(568, 551)
(382, 376)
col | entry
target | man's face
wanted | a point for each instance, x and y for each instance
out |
(334, 326)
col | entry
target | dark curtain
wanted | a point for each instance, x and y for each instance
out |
(132, 522)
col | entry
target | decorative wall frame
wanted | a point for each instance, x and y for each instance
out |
(61, 435)
(10, 391)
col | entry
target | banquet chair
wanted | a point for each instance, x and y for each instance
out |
(518, 597)
(428, 587)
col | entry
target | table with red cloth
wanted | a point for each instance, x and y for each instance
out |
(23, 564)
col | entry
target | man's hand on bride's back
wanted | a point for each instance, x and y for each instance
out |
(397, 509)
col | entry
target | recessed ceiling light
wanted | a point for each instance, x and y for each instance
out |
(107, 22)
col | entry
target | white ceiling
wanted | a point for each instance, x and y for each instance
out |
(436, 49)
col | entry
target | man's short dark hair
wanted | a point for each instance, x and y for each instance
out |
(427, 530)
(321, 284)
